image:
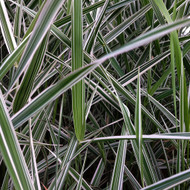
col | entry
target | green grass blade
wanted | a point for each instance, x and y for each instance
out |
(93, 34)
(6, 28)
(163, 109)
(76, 176)
(132, 179)
(17, 21)
(148, 37)
(78, 90)
(26, 86)
(51, 94)
(176, 60)
(138, 126)
(113, 60)
(12, 58)
(149, 174)
(169, 136)
(98, 173)
(65, 165)
(79, 185)
(89, 103)
(124, 25)
(11, 152)
(129, 96)
(118, 171)
(34, 164)
(170, 182)
(5, 181)
(41, 27)
(181, 116)
(160, 81)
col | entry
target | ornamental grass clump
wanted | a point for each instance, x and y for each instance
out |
(94, 94)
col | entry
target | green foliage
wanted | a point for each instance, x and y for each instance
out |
(94, 94)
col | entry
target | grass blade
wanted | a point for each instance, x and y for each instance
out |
(138, 126)
(170, 182)
(65, 165)
(26, 86)
(12, 58)
(78, 90)
(11, 151)
(41, 27)
(79, 185)
(118, 171)
(17, 21)
(93, 34)
(6, 28)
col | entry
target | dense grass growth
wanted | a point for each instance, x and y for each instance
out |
(94, 94)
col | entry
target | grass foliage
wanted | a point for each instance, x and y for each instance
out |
(94, 94)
